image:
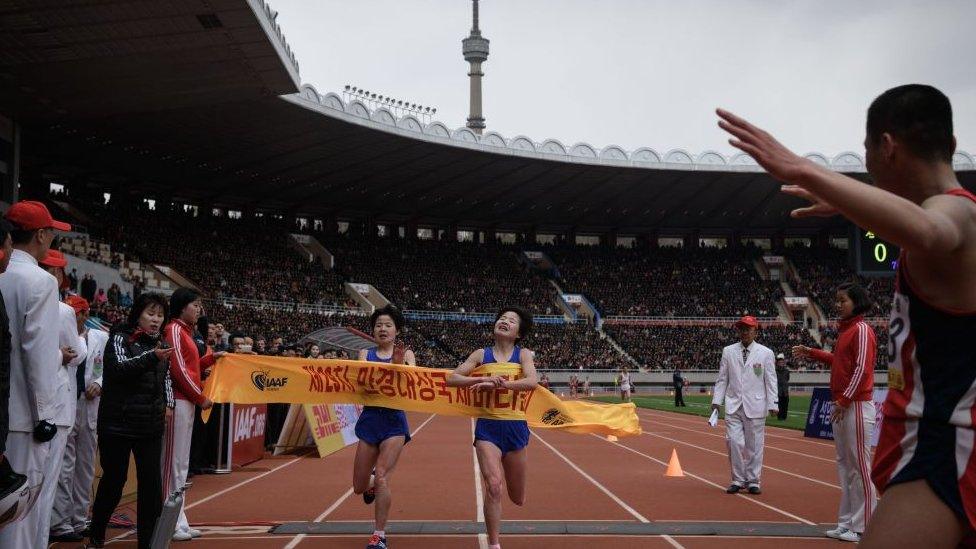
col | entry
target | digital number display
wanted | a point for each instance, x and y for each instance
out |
(874, 256)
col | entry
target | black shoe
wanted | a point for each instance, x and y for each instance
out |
(69, 537)
(754, 490)
(733, 489)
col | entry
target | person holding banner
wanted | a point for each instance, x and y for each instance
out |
(131, 418)
(851, 385)
(382, 432)
(500, 444)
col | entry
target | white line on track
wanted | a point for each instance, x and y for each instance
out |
(723, 454)
(246, 481)
(298, 539)
(592, 480)
(679, 416)
(706, 481)
(700, 432)
(479, 494)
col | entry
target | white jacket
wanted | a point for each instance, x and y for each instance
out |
(96, 340)
(68, 337)
(31, 297)
(751, 385)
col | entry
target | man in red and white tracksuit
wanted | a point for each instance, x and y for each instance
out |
(185, 367)
(851, 386)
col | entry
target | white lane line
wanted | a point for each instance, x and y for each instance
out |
(723, 454)
(710, 483)
(688, 417)
(592, 480)
(672, 541)
(335, 505)
(479, 494)
(767, 446)
(247, 481)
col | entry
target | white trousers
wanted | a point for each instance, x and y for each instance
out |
(857, 493)
(52, 474)
(26, 457)
(77, 473)
(176, 454)
(745, 438)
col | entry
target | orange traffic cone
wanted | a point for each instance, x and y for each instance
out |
(674, 466)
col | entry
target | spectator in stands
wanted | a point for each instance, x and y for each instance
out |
(260, 346)
(126, 300)
(223, 339)
(114, 294)
(131, 417)
(276, 346)
(88, 288)
(313, 352)
(73, 280)
(100, 297)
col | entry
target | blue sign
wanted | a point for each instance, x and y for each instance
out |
(818, 418)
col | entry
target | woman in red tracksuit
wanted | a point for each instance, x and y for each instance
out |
(185, 369)
(851, 385)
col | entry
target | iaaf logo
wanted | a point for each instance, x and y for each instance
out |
(264, 382)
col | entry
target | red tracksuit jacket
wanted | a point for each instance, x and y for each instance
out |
(852, 362)
(186, 364)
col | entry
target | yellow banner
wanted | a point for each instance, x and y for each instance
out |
(251, 379)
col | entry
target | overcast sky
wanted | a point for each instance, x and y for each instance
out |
(649, 73)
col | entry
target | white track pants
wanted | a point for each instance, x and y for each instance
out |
(52, 474)
(26, 457)
(75, 488)
(852, 437)
(176, 454)
(746, 438)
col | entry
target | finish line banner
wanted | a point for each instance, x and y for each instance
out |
(251, 379)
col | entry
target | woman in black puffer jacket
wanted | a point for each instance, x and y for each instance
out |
(132, 415)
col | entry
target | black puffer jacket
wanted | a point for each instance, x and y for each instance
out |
(134, 391)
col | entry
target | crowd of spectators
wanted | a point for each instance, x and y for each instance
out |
(821, 271)
(442, 275)
(226, 257)
(556, 346)
(699, 347)
(675, 282)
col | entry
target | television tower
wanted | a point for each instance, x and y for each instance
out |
(475, 49)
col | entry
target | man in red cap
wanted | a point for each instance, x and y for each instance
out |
(73, 353)
(746, 385)
(30, 297)
(78, 469)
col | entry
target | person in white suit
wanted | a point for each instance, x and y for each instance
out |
(78, 470)
(746, 385)
(73, 352)
(31, 299)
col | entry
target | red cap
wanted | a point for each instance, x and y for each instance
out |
(749, 321)
(77, 303)
(54, 258)
(31, 215)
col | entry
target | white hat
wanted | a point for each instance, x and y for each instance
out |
(780, 356)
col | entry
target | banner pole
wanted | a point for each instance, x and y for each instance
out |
(225, 443)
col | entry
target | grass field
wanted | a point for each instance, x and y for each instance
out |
(700, 405)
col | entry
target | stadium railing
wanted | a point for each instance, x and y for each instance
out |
(289, 306)
(480, 318)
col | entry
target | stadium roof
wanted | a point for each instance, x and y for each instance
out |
(200, 100)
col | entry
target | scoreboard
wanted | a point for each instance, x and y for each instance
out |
(874, 256)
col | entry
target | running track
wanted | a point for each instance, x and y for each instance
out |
(575, 481)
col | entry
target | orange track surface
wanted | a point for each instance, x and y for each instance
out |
(571, 478)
